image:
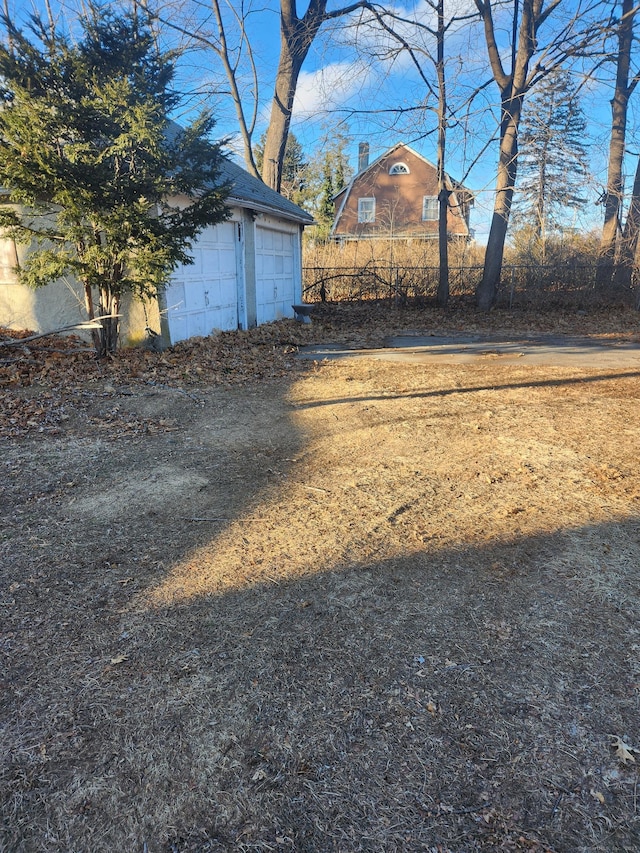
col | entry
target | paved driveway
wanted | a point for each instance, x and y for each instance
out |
(552, 350)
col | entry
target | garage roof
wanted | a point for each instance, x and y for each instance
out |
(250, 192)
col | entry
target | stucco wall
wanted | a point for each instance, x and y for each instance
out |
(51, 307)
(60, 303)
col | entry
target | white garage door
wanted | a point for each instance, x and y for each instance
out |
(204, 296)
(275, 274)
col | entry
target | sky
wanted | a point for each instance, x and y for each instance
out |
(346, 83)
(355, 81)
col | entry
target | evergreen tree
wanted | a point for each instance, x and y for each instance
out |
(294, 168)
(329, 173)
(91, 162)
(342, 167)
(552, 159)
(313, 183)
(326, 208)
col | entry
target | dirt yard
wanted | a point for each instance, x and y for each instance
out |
(251, 603)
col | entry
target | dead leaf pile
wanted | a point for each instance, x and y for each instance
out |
(225, 358)
(46, 382)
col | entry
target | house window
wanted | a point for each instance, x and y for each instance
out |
(366, 210)
(399, 169)
(429, 208)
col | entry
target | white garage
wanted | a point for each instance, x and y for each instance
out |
(246, 271)
(203, 296)
(276, 273)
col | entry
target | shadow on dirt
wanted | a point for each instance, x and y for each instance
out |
(456, 699)
(507, 386)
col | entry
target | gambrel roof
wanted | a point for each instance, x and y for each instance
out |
(400, 178)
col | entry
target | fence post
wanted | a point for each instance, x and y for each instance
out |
(513, 273)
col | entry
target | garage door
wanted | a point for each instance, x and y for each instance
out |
(275, 274)
(204, 296)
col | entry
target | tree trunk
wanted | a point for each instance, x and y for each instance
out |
(507, 168)
(110, 321)
(91, 315)
(275, 143)
(617, 142)
(443, 193)
(629, 243)
(443, 250)
(296, 37)
(527, 16)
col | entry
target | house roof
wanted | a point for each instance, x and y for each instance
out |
(250, 192)
(455, 185)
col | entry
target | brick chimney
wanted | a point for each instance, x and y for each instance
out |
(363, 156)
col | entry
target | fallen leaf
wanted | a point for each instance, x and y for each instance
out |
(623, 751)
(119, 659)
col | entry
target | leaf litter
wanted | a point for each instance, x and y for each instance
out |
(250, 603)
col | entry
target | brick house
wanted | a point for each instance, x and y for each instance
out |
(396, 196)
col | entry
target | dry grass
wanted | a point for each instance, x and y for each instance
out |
(392, 270)
(403, 252)
(405, 271)
(360, 607)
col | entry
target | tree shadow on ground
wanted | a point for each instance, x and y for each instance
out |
(455, 698)
(564, 381)
(463, 699)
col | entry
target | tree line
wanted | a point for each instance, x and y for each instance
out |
(531, 49)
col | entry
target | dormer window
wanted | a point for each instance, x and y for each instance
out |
(399, 169)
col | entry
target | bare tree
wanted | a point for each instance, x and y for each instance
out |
(297, 34)
(431, 51)
(573, 38)
(230, 63)
(625, 84)
(211, 33)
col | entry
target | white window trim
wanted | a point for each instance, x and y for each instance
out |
(366, 213)
(399, 169)
(425, 200)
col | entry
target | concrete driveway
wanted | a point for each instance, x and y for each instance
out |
(551, 350)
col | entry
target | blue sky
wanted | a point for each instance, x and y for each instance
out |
(343, 86)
